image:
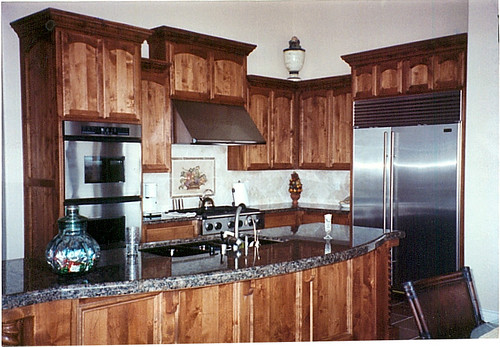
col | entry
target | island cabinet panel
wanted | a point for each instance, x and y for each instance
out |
(119, 320)
(274, 310)
(423, 66)
(46, 324)
(204, 68)
(156, 117)
(206, 315)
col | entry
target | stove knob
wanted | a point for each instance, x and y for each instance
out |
(218, 226)
(230, 224)
(249, 221)
(209, 226)
(240, 223)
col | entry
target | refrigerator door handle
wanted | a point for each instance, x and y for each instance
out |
(391, 184)
(384, 180)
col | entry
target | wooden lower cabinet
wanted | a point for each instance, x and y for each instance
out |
(295, 218)
(170, 231)
(343, 301)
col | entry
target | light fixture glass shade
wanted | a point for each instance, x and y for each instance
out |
(294, 57)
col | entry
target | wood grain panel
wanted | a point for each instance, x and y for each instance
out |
(122, 81)
(229, 79)
(156, 125)
(314, 130)
(259, 156)
(274, 314)
(330, 302)
(81, 75)
(206, 315)
(190, 73)
(169, 231)
(118, 320)
(342, 129)
(283, 128)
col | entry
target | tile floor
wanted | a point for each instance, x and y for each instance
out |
(403, 325)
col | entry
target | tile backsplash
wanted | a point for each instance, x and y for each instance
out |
(263, 187)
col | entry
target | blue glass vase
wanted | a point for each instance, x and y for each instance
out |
(72, 250)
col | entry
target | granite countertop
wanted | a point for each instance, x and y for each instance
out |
(26, 282)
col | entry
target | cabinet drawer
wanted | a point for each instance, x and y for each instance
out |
(170, 231)
(280, 219)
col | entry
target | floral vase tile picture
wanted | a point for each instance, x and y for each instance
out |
(192, 176)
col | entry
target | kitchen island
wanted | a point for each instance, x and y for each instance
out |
(299, 288)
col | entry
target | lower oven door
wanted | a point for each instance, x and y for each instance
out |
(109, 219)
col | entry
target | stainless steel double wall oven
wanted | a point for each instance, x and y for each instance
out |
(103, 177)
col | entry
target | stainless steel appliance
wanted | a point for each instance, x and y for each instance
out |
(221, 218)
(103, 177)
(102, 160)
(406, 177)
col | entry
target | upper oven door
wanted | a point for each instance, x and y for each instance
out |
(102, 169)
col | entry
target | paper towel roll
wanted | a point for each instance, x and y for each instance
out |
(240, 194)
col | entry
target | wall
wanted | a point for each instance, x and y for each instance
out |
(481, 154)
(327, 29)
(263, 187)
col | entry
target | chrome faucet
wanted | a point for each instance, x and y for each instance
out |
(235, 234)
(237, 220)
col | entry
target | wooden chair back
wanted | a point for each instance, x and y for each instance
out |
(446, 306)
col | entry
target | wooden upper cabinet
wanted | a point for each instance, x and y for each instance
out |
(156, 117)
(283, 129)
(97, 63)
(315, 129)
(325, 124)
(82, 77)
(122, 80)
(258, 157)
(423, 66)
(271, 105)
(204, 68)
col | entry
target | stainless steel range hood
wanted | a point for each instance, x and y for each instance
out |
(205, 123)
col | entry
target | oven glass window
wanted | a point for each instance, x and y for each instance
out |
(104, 169)
(108, 232)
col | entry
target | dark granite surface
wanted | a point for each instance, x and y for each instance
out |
(285, 207)
(26, 282)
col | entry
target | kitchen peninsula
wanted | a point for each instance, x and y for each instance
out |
(300, 287)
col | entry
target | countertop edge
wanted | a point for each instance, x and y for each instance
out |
(81, 291)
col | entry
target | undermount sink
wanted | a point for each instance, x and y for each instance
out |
(211, 247)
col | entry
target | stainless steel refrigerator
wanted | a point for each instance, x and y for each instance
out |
(406, 177)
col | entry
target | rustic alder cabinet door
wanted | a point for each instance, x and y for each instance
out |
(190, 74)
(122, 80)
(156, 117)
(229, 77)
(82, 84)
(119, 321)
(283, 127)
(258, 157)
(315, 129)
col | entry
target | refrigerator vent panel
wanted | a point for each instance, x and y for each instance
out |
(421, 109)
